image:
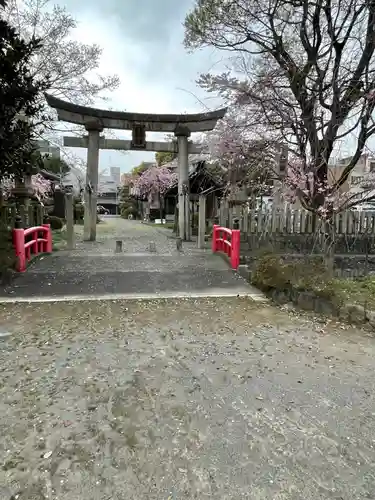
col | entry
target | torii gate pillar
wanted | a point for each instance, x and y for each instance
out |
(91, 187)
(182, 135)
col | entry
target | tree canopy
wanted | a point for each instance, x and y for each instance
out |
(162, 158)
(55, 165)
(19, 100)
(138, 170)
(69, 64)
(155, 179)
(302, 75)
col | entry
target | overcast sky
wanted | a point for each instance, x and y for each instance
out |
(142, 43)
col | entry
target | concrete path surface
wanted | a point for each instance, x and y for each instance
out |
(149, 264)
(183, 399)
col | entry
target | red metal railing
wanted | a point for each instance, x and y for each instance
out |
(31, 241)
(227, 241)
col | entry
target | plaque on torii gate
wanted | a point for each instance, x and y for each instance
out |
(96, 120)
(138, 136)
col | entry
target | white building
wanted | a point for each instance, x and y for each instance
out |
(108, 188)
(361, 180)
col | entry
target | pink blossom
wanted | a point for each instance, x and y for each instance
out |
(301, 182)
(156, 180)
(41, 186)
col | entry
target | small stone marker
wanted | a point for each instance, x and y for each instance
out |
(152, 247)
(118, 246)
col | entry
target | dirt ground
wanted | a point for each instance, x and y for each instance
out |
(216, 398)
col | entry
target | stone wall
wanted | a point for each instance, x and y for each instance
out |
(345, 266)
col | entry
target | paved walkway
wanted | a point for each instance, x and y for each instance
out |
(149, 264)
(220, 399)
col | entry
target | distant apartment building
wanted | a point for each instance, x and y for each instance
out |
(115, 174)
(108, 189)
(360, 179)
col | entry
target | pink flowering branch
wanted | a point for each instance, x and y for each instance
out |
(155, 179)
(41, 186)
(245, 154)
(321, 196)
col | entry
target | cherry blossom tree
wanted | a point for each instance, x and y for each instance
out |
(303, 72)
(155, 181)
(247, 158)
(303, 185)
(42, 187)
(70, 66)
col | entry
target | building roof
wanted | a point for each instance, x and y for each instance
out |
(201, 178)
(192, 160)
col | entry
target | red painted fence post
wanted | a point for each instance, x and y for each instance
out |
(19, 248)
(214, 236)
(48, 238)
(235, 254)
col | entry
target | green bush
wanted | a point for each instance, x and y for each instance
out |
(56, 222)
(7, 257)
(128, 210)
(271, 271)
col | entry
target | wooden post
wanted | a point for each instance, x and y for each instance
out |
(201, 221)
(225, 221)
(69, 216)
(118, 248)
(230, 217)
(23, 215)
(39, 215)
(245, 222)
(221, 213)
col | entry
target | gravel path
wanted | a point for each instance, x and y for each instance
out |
(219, 399)
(149, 264)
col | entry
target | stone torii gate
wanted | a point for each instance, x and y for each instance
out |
(96, 120)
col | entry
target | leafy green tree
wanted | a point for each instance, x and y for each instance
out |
(163, 158)
(142, 167)
(19, 95)
(128, 205)
(55, 165)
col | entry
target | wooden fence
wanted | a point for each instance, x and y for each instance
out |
(299, 222)
(30, 216)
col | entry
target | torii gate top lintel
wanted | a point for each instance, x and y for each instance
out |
(95, 118)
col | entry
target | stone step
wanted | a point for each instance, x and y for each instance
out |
(127, 263)
(73, 283)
